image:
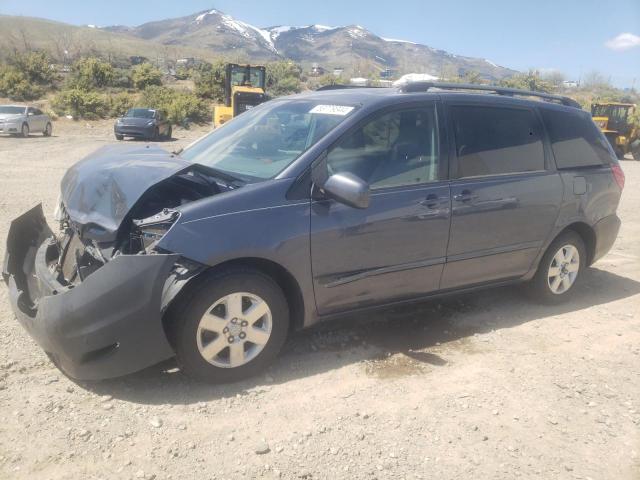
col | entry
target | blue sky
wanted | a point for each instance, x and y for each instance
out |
(568, 35)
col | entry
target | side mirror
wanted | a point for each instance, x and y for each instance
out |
(347, 188)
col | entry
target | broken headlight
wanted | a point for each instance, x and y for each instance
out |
(149, 231)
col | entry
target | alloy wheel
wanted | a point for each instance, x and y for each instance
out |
(234, 330)
(563, 269)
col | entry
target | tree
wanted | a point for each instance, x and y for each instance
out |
(181, 107)
(283, 78)
(555, 78)
(528, 81)
(145, 75)
(80, 103)
(16, 85)
(209, 80)
(330, 79)
(91, 72)
(36, 66)
(595, 79)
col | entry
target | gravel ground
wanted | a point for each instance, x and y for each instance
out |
(485, 385)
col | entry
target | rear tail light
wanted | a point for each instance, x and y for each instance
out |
(618, 174)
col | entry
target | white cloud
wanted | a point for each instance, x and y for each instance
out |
(624, 41)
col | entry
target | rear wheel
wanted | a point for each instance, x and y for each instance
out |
(560, 269)
(25, 130)
(231, 326)
(119, 137)
(47, 130)
(169, 133)
(155, 135)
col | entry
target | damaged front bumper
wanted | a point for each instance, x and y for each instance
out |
(108, 325)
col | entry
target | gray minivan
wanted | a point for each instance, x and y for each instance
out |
(306, 208)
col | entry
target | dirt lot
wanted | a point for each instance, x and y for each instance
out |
(486, 385)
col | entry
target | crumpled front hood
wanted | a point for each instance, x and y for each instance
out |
(99, 191)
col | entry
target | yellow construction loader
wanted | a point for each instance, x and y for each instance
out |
(616, 122)
(244, 88)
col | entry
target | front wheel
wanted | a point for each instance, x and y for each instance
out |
(119, 137)
(47, 130)
(560, 269)
(169, 134)
(25, 130)
(230, 326)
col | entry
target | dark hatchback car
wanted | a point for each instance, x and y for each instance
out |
(303, 209)
(145, 123)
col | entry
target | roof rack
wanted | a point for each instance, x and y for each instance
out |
(413, 87)
(340, 86)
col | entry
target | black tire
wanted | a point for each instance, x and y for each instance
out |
(619, 153)
(539, 287)
(47, 130)
(24, 132)
(119, 137)
(155, 136)
(169, 134)
(186, 313)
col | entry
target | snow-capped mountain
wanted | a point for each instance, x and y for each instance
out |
(351, 47)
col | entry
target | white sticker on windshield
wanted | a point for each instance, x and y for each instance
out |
(331, 110)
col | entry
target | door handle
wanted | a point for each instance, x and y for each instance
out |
(432, 201)
(465, 196)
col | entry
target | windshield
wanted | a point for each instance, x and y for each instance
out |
(10, 110)
(140, 113)
(263, 141)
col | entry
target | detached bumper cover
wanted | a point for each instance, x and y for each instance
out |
(107, 326)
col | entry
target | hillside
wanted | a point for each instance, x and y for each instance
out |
(213, 34)
(25, 33)
(352, 47)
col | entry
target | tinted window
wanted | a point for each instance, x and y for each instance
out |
(575, 139)
(398, 148)
(37, 111)
(494, 141)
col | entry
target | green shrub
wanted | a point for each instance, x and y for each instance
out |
(36, 66)
(209, 80)
(80, 104)
(528, 81)
(283, 78)
(122, 78)
(180, 106)
(16, 85)
(183, 73)
(89, 73)
(145, 75)
(120, 103)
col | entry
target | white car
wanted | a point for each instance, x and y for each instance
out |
(22, 120)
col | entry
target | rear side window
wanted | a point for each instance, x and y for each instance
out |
(575, 139)
(496, 141)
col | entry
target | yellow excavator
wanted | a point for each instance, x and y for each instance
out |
(616, 122)
(244, 88)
